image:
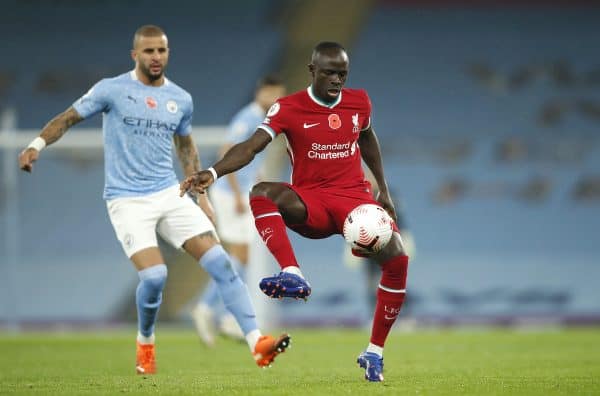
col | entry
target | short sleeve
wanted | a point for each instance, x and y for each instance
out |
(275, 121)
(96, 100)
(367, 119)
(185, 125)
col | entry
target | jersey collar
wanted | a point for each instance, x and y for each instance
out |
(135, 78)
(320, 102)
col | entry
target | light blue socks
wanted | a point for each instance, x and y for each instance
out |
(230, 287)
(210, 296)
(148, 297)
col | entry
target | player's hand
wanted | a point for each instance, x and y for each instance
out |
(197, 183)
(386, 203)
(27, 158)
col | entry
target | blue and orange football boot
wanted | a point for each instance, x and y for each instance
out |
(268, 347)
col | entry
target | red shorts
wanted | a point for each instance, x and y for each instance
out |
(327, 209)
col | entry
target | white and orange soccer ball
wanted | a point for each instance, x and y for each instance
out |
(368, 229)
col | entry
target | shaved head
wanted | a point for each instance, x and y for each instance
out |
(330, 48)
(147, 31)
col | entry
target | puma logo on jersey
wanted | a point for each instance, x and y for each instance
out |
(306, 126)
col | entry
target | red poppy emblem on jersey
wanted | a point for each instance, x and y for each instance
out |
(334, 121)
(151, 102)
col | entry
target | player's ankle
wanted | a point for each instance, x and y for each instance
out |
(252, 339)
(142, 339)
(292, 269)
(376, 349)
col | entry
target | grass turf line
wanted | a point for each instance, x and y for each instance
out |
(433, 362)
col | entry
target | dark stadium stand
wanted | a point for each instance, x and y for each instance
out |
(218, 51)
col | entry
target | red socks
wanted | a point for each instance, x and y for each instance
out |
(390, 296)
(271, 227)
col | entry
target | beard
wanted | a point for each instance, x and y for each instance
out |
(152, 77)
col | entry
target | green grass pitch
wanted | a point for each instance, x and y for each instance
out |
(320, 362)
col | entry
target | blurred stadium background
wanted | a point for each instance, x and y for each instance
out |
(488, 113)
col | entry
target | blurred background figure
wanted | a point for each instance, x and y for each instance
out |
(235, 223)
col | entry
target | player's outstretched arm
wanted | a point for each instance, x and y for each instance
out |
(371, 154)
(53, 131)
(235, 158)
(189, 159)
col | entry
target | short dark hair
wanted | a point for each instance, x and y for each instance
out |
(326, 46)
(271, 79)
(148, 31)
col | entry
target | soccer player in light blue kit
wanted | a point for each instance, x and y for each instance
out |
(234, 218)
(143, 114)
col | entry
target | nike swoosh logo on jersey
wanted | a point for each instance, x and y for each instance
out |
(306, 126)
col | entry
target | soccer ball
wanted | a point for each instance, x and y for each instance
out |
(368, 229)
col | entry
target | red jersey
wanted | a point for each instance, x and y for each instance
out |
(322, 138)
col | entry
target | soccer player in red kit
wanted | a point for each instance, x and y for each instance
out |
(328, 130)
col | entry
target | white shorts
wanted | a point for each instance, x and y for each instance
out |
(233, 227)
(137, 219)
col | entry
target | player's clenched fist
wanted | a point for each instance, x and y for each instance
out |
(196, 183)
(27, 158)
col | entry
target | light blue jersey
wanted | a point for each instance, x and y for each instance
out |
(138, 125)
(242, 126)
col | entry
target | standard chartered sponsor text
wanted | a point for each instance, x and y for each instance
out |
(331, 151)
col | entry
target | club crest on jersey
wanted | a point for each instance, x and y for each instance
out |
(334, 121)
(151, 102)
(172, 106)
(128, 240)
(355, 128)
(273, 109)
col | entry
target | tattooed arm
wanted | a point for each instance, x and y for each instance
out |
(190, 163)
(187, 154)
(53, 131)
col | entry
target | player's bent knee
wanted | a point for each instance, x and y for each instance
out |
(218, 265)
(155, 284)
(261, 189)
(273, 191)
(198, 245)
(153, 281)
(392, 249)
